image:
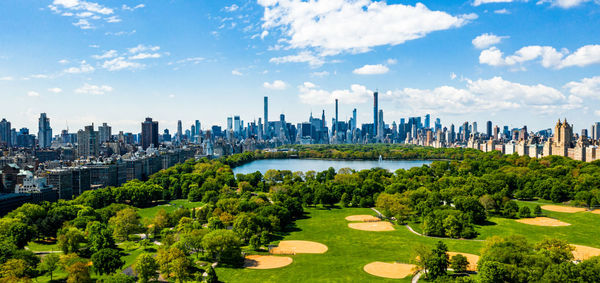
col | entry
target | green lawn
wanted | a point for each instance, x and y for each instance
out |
(148, 213)
(42, 247)
(349, 250)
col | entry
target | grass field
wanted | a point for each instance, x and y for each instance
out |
(349, 249)
(147, 214)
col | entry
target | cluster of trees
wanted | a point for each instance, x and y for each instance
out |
(233, 214)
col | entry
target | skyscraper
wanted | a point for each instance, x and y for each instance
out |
(336, 116)
(375, 112)
(149, 133)
(427, 121)
(380, 125)
(88, 142)
(104, 133)
(488, 128)
(354, 124)
(266, 118)
(179, 131)
(44, 132)
(237, 124)
(595, 131)
(5, 135)
(197, 128)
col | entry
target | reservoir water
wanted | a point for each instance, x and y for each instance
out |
(324, 164)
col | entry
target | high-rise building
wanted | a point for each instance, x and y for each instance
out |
(266, 118)
(149, 133)
(380, 125)
(335, 126)
(179, 131)
(44, 132)
(427, 121)
(354, 124)
(375, 112)
(488, 129)
(475, 127)
(595, 134)
(5, 134)
(496, 132)
(88, 143)
(237, 124)
(229, 123)
(104, 133)
(197, 128)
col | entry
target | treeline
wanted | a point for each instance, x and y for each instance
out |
(233, 214)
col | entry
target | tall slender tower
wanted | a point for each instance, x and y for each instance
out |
(354, 125)
(266, 119)
(336, 116)
(45, 132)
(179, 132)
(375, 112)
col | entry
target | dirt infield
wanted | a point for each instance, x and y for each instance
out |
(378, 226)
(543, 221)
(362, 218)
(561, 208)
(389, 270)
(584, 252)
(266, 261)
(299, 247)
(473, 259)
(595, 211)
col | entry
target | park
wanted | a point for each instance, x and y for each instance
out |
(466, 217)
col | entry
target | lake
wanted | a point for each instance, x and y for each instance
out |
(324, 164)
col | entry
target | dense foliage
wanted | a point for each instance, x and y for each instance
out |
(449, 198)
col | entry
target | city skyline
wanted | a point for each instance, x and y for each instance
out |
(101, 61)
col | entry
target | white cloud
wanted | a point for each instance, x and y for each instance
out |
(452, 76)
(236, 73)
(479, 2)
(94, 89)
(63, 62)
(302, 57)
(319, 74)
(371, 70)
(565, 4)
(127, 8)
(83, 24)
(171, 96)
(193, 60)
(33, 94)
(106, 55)
(113, 19)
(486, 40)
(232, 8)
(311, 94)
(84, 67)
(120, 63)
(502, 11)
(7, 78)
(549, 56)
(392, 61)
(495, 94)
(83, 6)
(55, 90)
(335, 26)
(587, 87)
(275, 85)
(142, 48)
(142, 56)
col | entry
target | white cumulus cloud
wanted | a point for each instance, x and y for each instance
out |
(84, 67)
(335, 26)
(371, 70)
(479, 2)
(33, 94)
(312, 94)
(302, 57)
(120, 63)
(94, 89)
(275, 85)
(486, 40)
(55, 90)
(548, 56)
(106, 55)
(587, 87)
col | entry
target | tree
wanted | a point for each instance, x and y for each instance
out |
(174, 263)
(118, 278)
(459, 263)
(556, 250)
(145, 243)
(452, 226)
(79, 272)
(223, 245)
(98, 236)
(124, 223)
(69, 239)
(510, 209)
(21, 234)
(49, 264)
(438, 262)
(211, 276)
(537, 210)
(15, 270)
(107, 261)
(145, 267)
(524, 212)
(161, 220)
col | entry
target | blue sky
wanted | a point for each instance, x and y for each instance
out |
(513, 62)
